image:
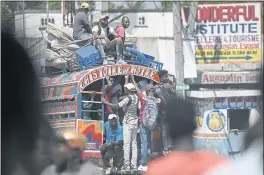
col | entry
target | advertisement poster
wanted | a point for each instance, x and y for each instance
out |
(227, 33)
(93, 130)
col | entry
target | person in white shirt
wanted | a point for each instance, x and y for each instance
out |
(105, 38)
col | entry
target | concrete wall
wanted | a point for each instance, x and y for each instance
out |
(33, 22)
(34, 46)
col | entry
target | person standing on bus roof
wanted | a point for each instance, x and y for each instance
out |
(130, 104)
(81, 27)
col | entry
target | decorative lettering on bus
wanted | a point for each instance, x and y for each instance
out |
(113, 70)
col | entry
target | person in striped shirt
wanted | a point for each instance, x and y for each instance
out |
(130, 105)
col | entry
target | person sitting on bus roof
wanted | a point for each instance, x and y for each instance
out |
(105, 37)
(120, 30)
(114, 143)
(81, 27)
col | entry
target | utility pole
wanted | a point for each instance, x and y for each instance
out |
(178, 48)
(104, 6)
(192, 19)
(47, 10)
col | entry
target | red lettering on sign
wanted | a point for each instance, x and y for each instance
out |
(230, 78)
(226, 13)
(221, 78)
(113, 70)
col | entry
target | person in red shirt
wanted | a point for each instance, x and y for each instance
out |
(120, 30)
(113, 91)
(183, 159)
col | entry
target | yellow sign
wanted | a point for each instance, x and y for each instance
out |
(228, 33)
(216, 121)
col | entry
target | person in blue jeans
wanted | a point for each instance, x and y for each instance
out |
(145, 133)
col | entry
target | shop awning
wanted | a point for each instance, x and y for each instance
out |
(222, 93)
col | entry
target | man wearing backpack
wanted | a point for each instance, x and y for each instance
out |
(105, 38)
(130, 104)
(147, 123)
(147, 118)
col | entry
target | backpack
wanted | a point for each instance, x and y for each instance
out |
(150, 113)
(108, 35)
(163, 94)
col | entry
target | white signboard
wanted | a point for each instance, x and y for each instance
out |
(227, 33)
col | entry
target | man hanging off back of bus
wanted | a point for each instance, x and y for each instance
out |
(164, 92)
(114, 143)
(81, 27)
(130, 104)
(105, 38)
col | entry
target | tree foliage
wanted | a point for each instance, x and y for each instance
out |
(7, 15)
(132, 4)
(125, 5)
(111, 5)
(39, 5)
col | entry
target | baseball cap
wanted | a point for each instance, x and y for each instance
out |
(111, 116)
(85, 5)
(104, 17)
(130, 87)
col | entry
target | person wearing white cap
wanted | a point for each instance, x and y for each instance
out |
(105, 38)
(130, 105)
(114, 141)
(81, 27)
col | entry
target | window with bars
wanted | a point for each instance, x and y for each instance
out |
(141, 21)
(44, 21)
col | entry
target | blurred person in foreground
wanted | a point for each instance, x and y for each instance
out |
(251, 160)
(26, 134)
(69, 147)
(180, 119)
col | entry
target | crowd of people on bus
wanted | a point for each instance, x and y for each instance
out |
(143, 106)
(103, 37)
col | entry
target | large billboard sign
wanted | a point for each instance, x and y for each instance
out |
(228, 33)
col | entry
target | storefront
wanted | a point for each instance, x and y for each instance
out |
(223, 116)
